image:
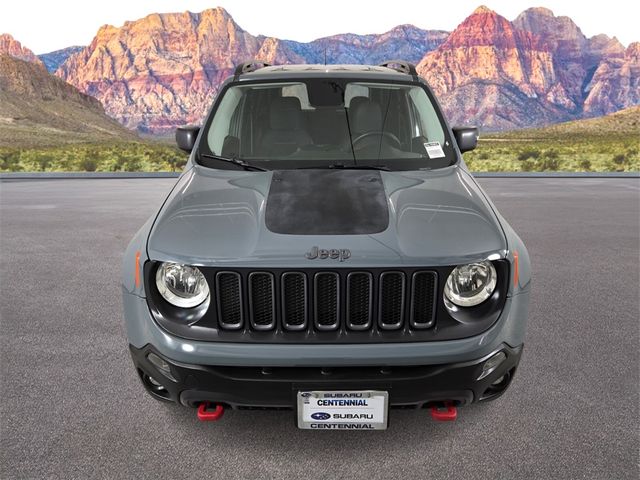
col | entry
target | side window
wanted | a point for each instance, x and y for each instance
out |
(426, 116)
(222, 124)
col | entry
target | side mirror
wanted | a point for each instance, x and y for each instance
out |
(186, 137)
(466, 138)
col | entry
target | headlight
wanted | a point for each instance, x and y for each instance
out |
(181, 285)
(470, 285)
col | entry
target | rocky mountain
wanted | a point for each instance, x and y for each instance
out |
(164, 70)
(533, 71)
(599, 75)
(615, 83)
(404, 41)
(494, 75)
(37, 108)
(10, 46)
(53, 60)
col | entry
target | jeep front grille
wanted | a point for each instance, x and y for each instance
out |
(422, 303)
(325, 301)
(262, 303)
(391, 298)
(229, 300)
(320, 305)
(294, 301)
(359, 300)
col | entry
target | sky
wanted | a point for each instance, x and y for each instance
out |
(47, 25)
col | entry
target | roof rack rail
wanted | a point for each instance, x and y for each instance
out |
(400, 66)
(248, 67)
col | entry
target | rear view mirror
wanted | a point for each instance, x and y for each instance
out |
(466, 138)
(186, 137)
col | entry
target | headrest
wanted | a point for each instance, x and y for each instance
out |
(285, 113)
(365, 116)
(355, 102)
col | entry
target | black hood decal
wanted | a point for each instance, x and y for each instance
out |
(327, 202)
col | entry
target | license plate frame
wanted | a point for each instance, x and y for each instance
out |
(364, 409)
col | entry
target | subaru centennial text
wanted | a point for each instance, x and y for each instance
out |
(326, 251)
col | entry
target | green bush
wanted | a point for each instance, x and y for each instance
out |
(552, 154)
(504, 154)
(529, 153)
(88, 165)
(549, 164)
(585, 165)
(619, 159)
(104, 157)
(527, 166)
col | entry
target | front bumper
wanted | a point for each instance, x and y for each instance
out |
(142, 330)
(276, 387)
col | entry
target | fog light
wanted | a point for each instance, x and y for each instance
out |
(154, 382)
(491, 364)
(162, 366)
(498, 381)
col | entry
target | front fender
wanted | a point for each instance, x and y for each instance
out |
(134, 259)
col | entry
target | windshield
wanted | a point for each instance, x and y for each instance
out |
(322, 122)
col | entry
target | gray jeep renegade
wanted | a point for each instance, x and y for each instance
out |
(326, 251)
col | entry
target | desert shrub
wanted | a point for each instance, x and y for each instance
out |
(585, 165)
(132, 165)
(88, 165)
(552, 154)
(552, 164)
(9, 161)
(632, 151)
(619, 159)
(115, 164)
(176, 163)
(527, 166)
(528, 153)
(44, 162)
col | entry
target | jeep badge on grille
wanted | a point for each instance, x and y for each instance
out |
(322, 254)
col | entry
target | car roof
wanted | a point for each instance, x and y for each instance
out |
(282, 72)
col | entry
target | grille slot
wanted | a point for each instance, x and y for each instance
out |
(294, 300)
(262, 308)
(391, 300)
(359, 300)
(229, 300)
(423, 299)
(327, 300)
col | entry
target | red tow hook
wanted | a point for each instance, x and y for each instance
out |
(446, 413)
(206, 415)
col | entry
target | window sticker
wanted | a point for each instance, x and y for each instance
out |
(434, 150)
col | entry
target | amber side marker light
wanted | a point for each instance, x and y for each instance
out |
(515, 268)
(137, 274)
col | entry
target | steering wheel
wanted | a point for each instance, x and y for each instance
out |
(388, 135)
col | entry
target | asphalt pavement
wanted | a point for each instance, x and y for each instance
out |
(71, 405)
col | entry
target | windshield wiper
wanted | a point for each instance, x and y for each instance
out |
(341, 166)
(360, 167)
(235, 161)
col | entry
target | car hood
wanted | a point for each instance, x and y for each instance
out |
(272, 219)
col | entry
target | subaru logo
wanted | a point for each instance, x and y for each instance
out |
(320, 416)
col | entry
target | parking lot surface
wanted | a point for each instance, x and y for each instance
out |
(72, 406)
